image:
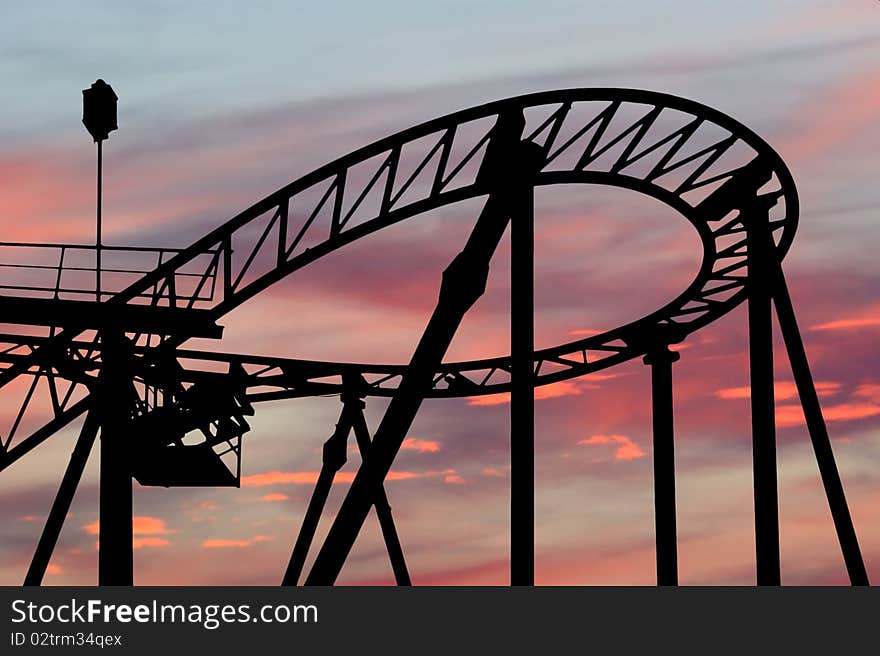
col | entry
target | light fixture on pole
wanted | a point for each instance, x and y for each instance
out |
(99, 117)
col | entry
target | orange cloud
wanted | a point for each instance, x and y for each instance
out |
(867, 402)
(627, 449)
(422, 446)
(274, 496)
(792, 415)
(551, 391)
(140, 526)
(233, 544)
(54, 569)
(311, 477)
(140, 543)
(149, 526)
(453, 479)
(782, 390)
(281, 478)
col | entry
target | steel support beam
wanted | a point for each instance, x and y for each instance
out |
(334, 457)
(383, 509)
(522, 388)
(464, 281)
(660, 362)
(843, 523)
(61, 506)
(760, 257)
(115, 555)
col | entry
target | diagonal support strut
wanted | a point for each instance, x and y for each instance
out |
(464, 281)
(61, 506)
(350, 419)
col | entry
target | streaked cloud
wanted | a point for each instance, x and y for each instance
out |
(274, 497)
(848, 324)
(551, 391)
(422, 446)
(311, 477)
(782, 390)
(141, 525)
(625, 448)
(220, 543)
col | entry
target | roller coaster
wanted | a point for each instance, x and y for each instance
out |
(100, 330)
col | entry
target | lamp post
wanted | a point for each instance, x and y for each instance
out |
(99, 117)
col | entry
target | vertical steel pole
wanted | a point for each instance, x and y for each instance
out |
(522, 386)
(760, 281)
(660, 362)
(115, 555)
(98, 239)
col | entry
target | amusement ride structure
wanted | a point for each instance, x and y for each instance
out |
(106, 325)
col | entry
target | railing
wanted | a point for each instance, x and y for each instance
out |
(70, 271)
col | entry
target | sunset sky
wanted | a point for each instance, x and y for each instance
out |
(221, 105)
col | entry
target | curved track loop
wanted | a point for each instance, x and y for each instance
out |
(671, 149)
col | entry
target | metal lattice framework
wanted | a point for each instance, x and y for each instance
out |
(716, 173)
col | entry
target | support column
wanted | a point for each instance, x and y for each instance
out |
(115, 555)
(61, 506)
(660, 362)
(843, 523)
(760, 280)
(522, 388)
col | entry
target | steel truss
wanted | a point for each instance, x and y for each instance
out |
(120, 360)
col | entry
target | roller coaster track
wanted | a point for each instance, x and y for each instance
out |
(671, 149)
(722, 178)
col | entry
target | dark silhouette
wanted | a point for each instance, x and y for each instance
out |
(147, 396)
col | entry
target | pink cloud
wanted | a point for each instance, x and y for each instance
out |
(234, 544)
(870, 391)
(848, 324)
(855, 104)
(422, 446)
(274, 497)
(494, 473)
(783, 390)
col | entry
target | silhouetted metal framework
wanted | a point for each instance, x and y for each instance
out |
(176, 417)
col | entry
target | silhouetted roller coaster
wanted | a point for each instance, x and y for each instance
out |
(107, 324)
